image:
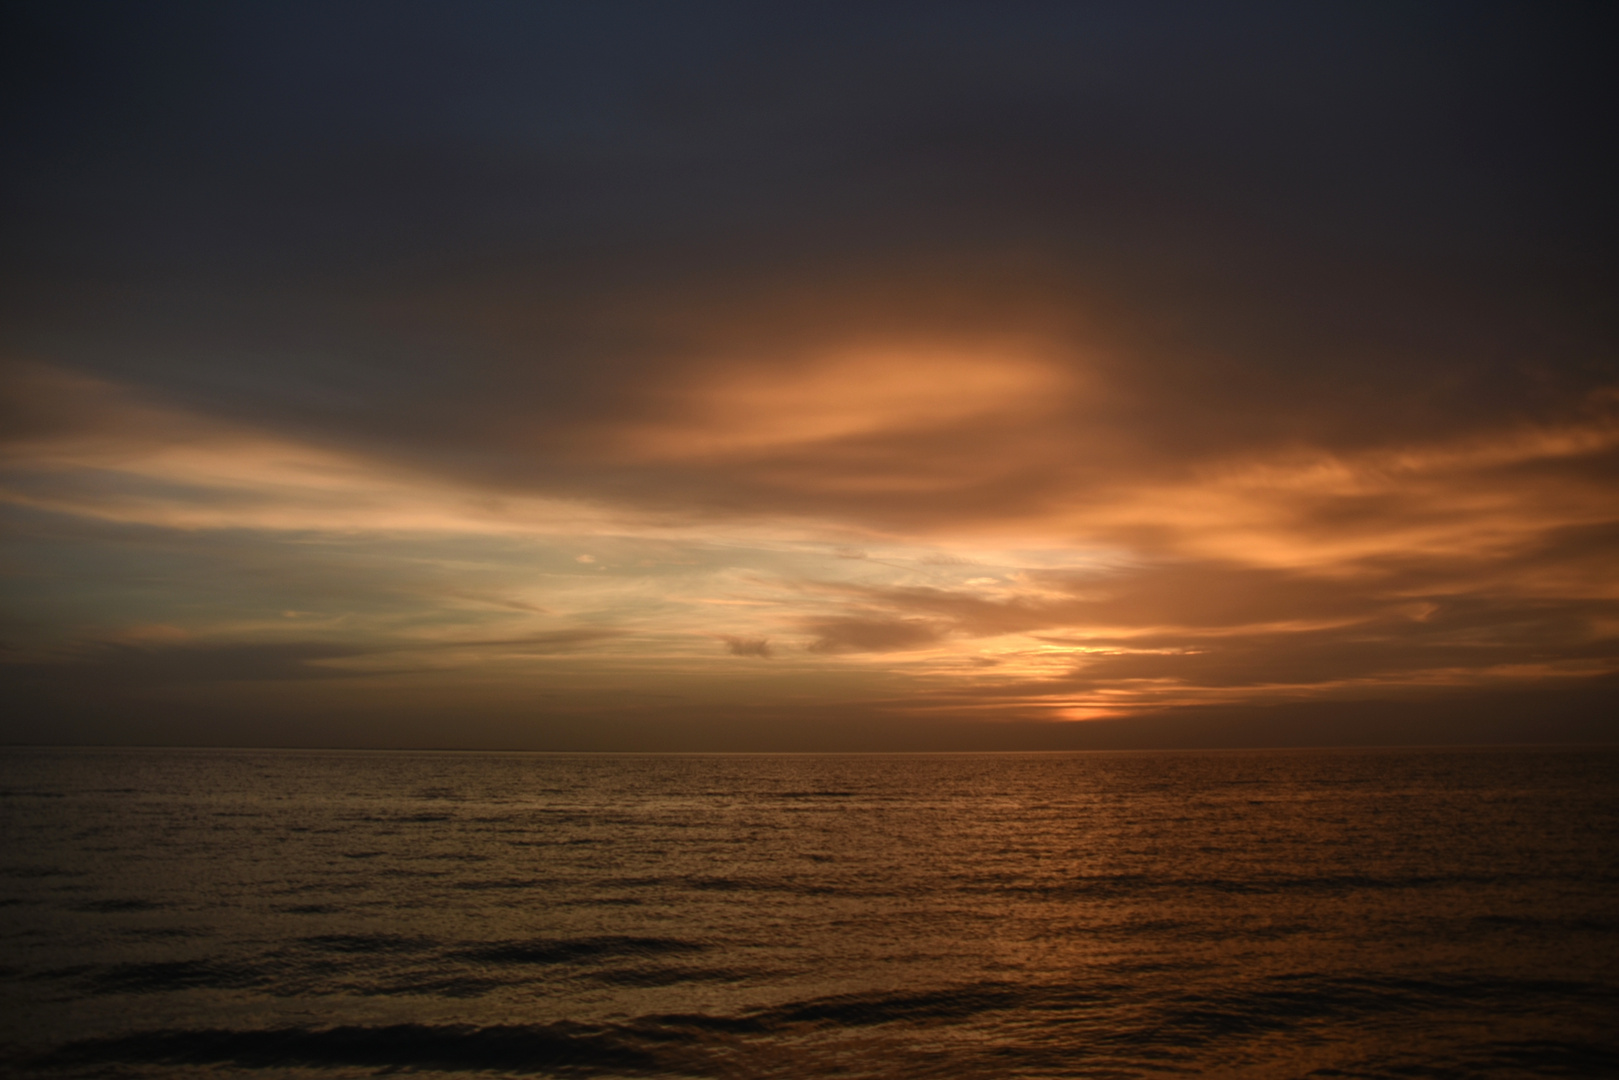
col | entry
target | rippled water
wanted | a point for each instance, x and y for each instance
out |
(1394, 913)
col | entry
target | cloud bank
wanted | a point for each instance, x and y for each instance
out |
(1004, 366)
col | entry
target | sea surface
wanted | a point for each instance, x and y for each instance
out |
(1248, 914)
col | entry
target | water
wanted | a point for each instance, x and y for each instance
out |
(1396, 913)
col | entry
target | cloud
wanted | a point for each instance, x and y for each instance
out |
(1058, 364)
(513, 603)
(742, 410)
(189, 663)
(1446, 561)
(169, 662)
(740, 646)
(877, 635)
(88, 447)
(555, 641)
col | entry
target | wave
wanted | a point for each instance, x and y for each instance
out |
(555, 1048)
(1067, 1029)
(1114, 884)
(365, 943)
(381, 964)
(574, 950)
(817, 794)
(165, 975)
(119, 905)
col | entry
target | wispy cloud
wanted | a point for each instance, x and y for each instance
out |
(1452, 561)
(1015, 364)
(741, 646)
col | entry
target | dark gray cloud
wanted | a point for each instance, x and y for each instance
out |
(745, 646)
(555, 641)
(874, 634)
(400, 224)
(121, 664)
(1295, 323)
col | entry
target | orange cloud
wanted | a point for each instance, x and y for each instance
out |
(1066, 590)
(741, 411)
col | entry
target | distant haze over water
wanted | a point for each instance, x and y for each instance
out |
(1373, 913)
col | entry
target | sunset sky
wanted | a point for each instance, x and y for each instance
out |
(611, 376)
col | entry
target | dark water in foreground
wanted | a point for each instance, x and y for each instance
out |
(1349, 913)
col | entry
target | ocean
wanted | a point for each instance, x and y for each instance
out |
(1399, 913)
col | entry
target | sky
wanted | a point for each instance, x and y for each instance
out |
(822, 376)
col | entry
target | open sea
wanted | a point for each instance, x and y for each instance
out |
(191, 913)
